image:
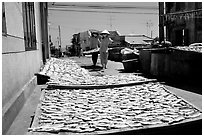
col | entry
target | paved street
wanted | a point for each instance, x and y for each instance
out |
(113, 68)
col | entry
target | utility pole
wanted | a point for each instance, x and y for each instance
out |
(110, 22)
(59, 36)
(111, 18)
(161, 22)
(149, 24)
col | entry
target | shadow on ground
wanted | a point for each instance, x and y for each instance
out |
(125, 71)
(195, 88)
(181, 84)
(92, 68)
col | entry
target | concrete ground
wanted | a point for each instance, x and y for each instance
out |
(24, 119)
(113, 68)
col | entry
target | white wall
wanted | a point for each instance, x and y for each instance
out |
(18, 65)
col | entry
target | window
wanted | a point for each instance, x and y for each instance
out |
(29, 25)
(3, 19)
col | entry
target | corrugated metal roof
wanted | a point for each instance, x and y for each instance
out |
(137, 39)
(114, 33)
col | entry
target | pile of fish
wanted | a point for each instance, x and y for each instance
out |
(59, 69)
(190, 48)
(96, 80)
(130, 107)
(67, 72)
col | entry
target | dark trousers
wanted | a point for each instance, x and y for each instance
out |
(94, 58)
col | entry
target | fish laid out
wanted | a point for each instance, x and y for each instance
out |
(190, 48)
(67, 72)
(131, 107)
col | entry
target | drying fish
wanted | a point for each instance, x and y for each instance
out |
(64, 73)
(190, 48)
(81, 111)
(194, 115)
(150, 122)
(177, 119)
(167, 119)
(44, 129)
(136, 124)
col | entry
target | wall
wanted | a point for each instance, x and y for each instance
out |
(190, 25)
(18, 65)
(44, 31)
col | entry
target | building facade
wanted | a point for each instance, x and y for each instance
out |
(24, 51)
(84, 40)
(183, 21)
(75, 44)
(118, 40)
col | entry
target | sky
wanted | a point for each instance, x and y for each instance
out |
(127, 18)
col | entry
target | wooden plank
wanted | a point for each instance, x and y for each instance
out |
(99, 86)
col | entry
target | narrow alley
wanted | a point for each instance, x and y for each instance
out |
(101, 68)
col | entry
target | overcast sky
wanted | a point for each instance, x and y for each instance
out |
(126, 18)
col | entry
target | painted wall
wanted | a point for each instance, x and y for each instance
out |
(18, 65)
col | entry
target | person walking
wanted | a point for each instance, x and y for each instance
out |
(105, 41)
(80, 51)
(94, 44)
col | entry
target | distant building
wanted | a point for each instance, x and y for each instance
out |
(137, 40)
(118, 40)
(25, 48)
(183, 21)
(75, 44)
(84, 39)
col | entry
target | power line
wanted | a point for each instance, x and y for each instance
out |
(95, 11)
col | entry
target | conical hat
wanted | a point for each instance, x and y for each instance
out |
(105, 32)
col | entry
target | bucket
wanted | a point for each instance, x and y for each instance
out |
(130, 65)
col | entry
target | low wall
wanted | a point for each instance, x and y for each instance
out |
(145, 59)
(174, 65)
(13, 107)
